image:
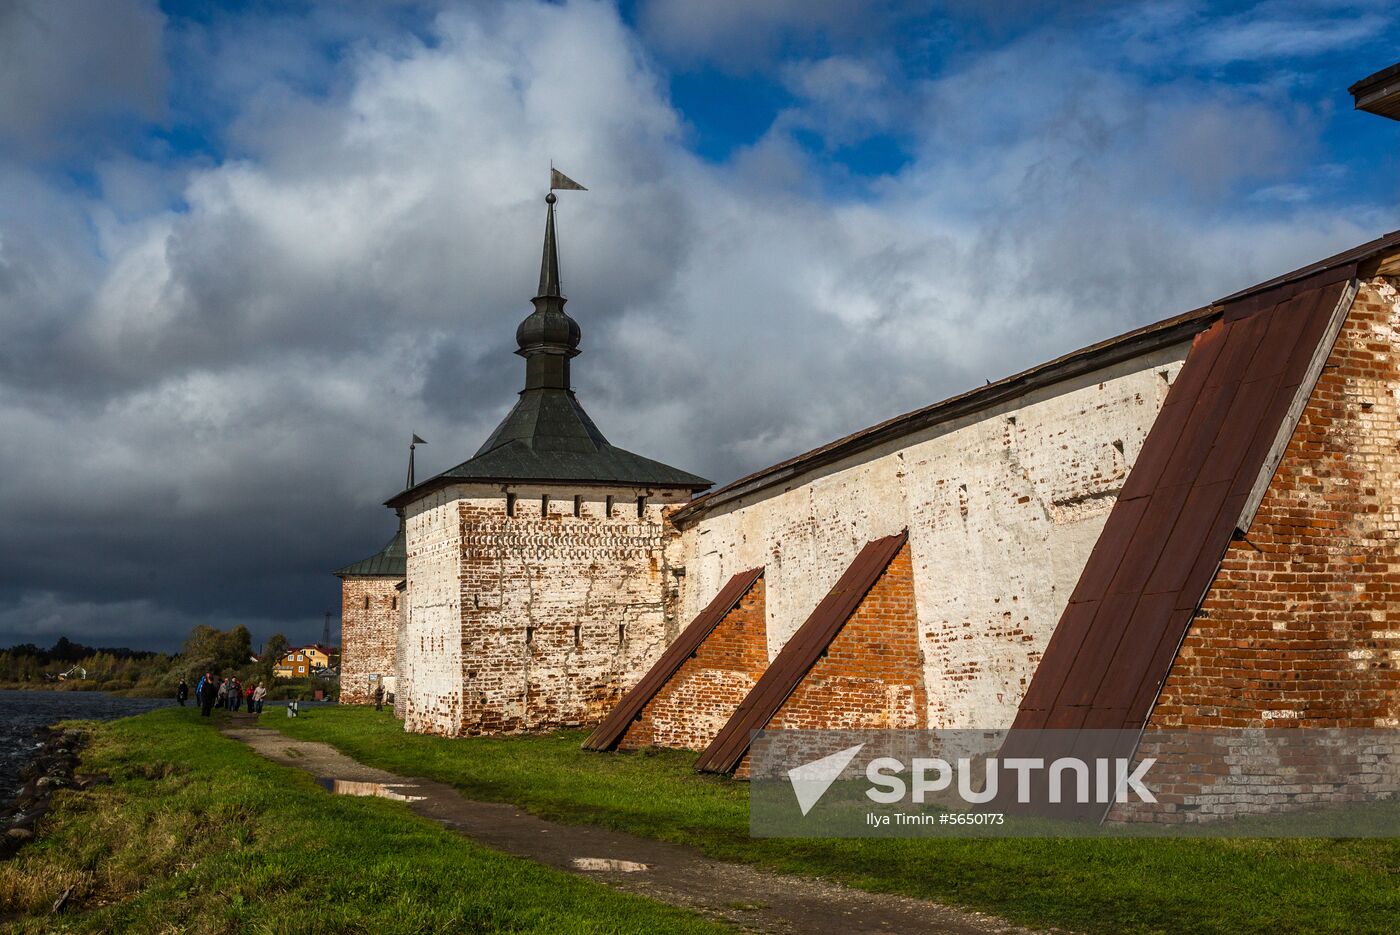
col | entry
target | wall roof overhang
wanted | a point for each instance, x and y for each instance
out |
(1136, 343)
(1379, 93)
(1126, 346)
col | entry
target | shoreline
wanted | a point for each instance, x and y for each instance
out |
(62, 687)
(52, 766)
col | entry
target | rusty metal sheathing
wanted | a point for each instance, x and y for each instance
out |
(1169, 530)
(798, 655)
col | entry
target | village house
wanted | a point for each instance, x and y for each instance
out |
(300, 662)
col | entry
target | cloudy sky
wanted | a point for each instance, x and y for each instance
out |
(247, 248)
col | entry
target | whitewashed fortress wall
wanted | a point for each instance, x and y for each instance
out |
(430, 652)
(1003, 507)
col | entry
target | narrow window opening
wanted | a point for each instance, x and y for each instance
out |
(607, 507)
(510, 504)
(578, 635)
(621, 633)
(529, 634)
(544, 504)
(578, 505)
(641, 507)
(393, 603)
(366, 602)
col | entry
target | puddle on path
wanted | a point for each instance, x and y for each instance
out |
(376, 789)
(608, 863)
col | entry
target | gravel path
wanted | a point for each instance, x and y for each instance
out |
(755, 900)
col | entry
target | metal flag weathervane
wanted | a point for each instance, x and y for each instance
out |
(561, 182)
(412, 445)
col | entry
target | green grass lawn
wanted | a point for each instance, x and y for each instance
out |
(199, 834)
(1098, 885)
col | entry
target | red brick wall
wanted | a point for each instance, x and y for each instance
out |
(872, 675)
(705, 691)
(1301, 627)
(368, 635)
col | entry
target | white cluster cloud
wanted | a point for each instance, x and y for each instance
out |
(206, 401)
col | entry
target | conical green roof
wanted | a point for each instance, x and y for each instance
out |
(389, 562)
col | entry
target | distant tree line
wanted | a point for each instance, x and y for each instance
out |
(141, 672)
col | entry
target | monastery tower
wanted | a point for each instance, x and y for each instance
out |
(540, 573)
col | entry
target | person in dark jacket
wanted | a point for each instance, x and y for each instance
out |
(208, 694)
(182, 693)
(379, 698)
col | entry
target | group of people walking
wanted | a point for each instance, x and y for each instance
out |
(229, 694)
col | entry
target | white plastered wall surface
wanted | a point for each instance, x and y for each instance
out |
(1003, 507)
(431, 649)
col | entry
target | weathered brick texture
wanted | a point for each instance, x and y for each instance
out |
(691, 708)
(872, 674)
(535, 620)
(1301, 626)
(369, 615)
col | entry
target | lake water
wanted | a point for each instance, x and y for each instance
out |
(23, 711)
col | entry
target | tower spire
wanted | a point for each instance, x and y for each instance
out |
(549, 262)
(548, 337)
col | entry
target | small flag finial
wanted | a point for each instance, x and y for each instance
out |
(561, 182)
(411, 446)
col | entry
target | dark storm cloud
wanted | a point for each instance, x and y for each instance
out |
(71, 70)
(212, 363)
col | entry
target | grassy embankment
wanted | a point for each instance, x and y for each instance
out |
(196, 833)
(1104, 885)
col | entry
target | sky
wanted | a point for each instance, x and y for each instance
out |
(246, 249)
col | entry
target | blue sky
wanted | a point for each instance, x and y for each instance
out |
(247, 248)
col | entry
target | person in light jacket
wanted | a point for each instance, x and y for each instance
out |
(259, 694)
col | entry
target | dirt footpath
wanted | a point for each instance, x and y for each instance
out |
(755, 900)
